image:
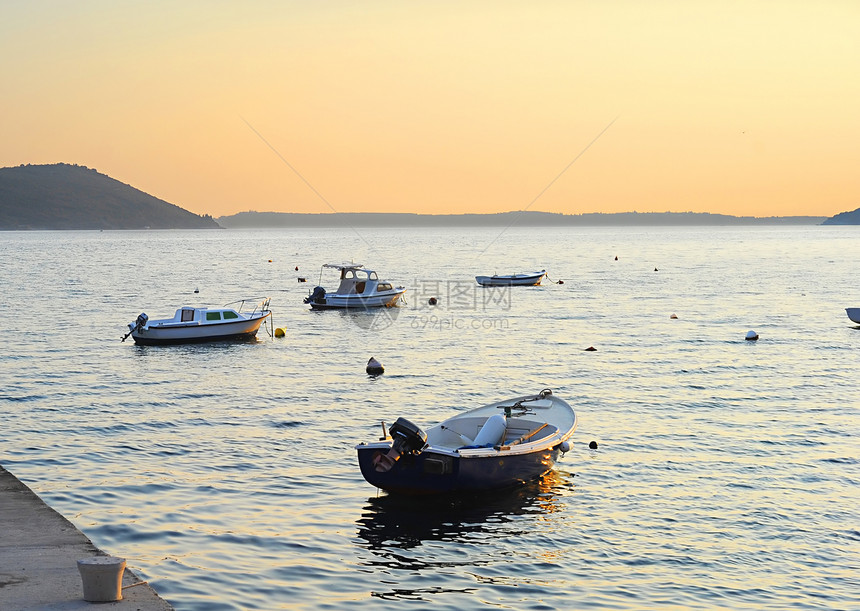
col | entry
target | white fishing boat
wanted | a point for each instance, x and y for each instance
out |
(359, 288)
(495, 446)
(523, 279)
(853, 314)
(191, 324)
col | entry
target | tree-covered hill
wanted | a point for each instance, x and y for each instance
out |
(64, 196)
(844, 218)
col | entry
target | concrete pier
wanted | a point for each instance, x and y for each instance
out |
(39, 550)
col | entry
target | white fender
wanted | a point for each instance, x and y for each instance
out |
(493, 431)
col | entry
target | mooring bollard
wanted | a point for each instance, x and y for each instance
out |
(102, 578)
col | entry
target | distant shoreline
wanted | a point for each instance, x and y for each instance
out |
(66, 196)
(260, 220)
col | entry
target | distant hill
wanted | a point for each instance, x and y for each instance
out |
(503, 219)
(844, 218)
(63, 196)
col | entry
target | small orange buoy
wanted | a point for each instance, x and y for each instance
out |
(297, 268)
(280, 332)
(673, 317)
(591, 349)
(432, 301)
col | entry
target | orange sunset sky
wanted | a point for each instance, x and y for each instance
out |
(736, 107)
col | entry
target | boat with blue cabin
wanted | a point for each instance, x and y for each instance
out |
(358, 288)
(499, 445)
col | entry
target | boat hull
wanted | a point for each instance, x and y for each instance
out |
(853, 314)
(433, 472)
(512, 279)
(335, 301)
(188, 333)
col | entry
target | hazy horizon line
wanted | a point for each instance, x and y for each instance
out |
(529, 212)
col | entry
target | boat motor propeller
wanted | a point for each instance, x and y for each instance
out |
(407, 439)
(137, 325)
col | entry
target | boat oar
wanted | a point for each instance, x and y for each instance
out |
(528, 436)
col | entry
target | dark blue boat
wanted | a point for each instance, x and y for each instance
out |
(495, 446)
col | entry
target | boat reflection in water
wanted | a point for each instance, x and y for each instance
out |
(395, 528)
(440, 549)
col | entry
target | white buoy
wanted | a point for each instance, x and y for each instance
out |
(751, 336)
(374, 367)
(102, 578)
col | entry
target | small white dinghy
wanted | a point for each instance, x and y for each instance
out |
(524, 279)
(495, 446)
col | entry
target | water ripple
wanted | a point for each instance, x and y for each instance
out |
(725, 476)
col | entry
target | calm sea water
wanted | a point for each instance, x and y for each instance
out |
(726, 475)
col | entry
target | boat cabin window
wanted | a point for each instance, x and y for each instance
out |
(230, 314)
(187, 315)
(373, 276)
(383, 286)
(213, 315)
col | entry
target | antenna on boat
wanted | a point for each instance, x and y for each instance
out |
(465, 439)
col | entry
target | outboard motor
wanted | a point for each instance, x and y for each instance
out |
(137, 325)
(408, 439)
(318, 296)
